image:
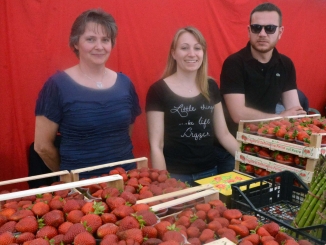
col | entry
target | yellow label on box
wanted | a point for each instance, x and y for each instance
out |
(222, 182)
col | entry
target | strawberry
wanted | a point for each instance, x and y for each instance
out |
(203, 206)
(95, 207)
(251, 224)
(247, 217)
(173, 236)
(148, 216)
(194, 241)
(183, 220)
(226, 230)
(253, 238)
(57, 240)
(73, 231)
(38, 241)
(161, 228)
(140, 206)
(21, 214)
(47, 232)
(70, 205)
(266, 238)
(56, 203)
(91, 221)
(84, 238)
(134, 173)
(134, 233)
(270, 242)
(241, 230)
(304, 242)
(109, 192)
(232, 214)
(108, 218)
(199, 223)
(27, 224)
(110, 239)
(9, 226)
(170, 243)
(130, 189)
(7, 238)
(105, 229)
(149, 231)
(152, 241)
(214, 225)
(145, 194)
(193, 231)
(221, 209)
(53, 218)
(261, 231)
(223, 221)
(272, 228)
(206, 235)
(40, 208)
(64, 227)
(133, 182)
(186, 212)
(235, 221)
(23, 237)
(7, 212)
(129, 197)
(245, 242)
(3, 220)
(122, 211)
(114, 202)
(128, 222)
(74, 216)
(201, 214)
(281, 237)
(212, 213)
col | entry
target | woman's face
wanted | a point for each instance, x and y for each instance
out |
(188, 53)
(94, 45)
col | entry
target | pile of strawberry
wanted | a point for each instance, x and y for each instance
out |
(299, 129)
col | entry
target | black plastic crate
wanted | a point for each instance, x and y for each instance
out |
(279, 202)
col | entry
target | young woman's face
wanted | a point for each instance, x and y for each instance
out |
(94, 45)
(188, 53)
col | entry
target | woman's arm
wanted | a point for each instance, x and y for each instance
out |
(155, 124)
(222, 132)
(45, 133)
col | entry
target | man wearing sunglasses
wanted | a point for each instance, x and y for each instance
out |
(254, 79)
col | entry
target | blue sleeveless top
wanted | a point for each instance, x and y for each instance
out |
(93, 123)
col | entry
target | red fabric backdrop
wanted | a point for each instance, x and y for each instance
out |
(34, 45)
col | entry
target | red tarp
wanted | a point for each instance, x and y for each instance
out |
(34, 44)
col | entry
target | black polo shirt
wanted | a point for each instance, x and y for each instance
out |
(262, 84)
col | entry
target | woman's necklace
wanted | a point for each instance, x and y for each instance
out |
(99, 84)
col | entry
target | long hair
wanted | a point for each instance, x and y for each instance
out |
(201, 76)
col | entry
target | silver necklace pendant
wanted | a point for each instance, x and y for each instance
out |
(99, 84)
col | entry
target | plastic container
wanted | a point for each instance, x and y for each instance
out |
(279, 202)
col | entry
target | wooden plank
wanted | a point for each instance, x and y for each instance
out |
(176, 193)
(141, 162)
(209, 194)
(64, 176)
(65, 186)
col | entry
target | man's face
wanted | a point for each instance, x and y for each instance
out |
(263, 42)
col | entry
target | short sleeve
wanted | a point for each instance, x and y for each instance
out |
(154, 98)
(231, 78)
(135, 110)
(214, 91)
(48, 103)
(291, 76)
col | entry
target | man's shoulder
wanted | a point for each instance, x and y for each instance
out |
(238, 56)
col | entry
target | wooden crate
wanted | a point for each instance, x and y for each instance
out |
(63, 175)
(113, 180)
(141, 162)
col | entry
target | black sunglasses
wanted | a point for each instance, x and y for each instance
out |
(269, 29)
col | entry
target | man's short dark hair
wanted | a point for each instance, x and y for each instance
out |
(267, 7)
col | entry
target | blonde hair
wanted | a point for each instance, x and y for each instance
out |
(201, 76)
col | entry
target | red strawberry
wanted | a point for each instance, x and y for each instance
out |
(281, 237)
(145, 194)
(148, 216)
(9, 226)
(114, 202)
(221, 209)
(140, 206)
(110, 239)
(245, 242)
(38, 241)
(203, 206)
(201, 214)
(105, 229)
(108, 218)
(21, 214)
(56, 203)
(70, 205)
(53, 218)
(133, 182)
(110, 192)
(247, 217)
(47, 232)
(183, 220)
(129, 197)
(134, 233)
(194, 241)
(226, 230)
(261, 231)
(206, 235)
(128, 222)
(84, 238)
(57, 240)
(199, 223)
(122, 211)
(270, 242)
(23, 237)
(40, 208)
(152, 241)
(74, 216)
(64, 227)
(95, 207)
(214, 225)
(251, 224)
(232, 214)
(186, 212)
(149, 231)
(253, 238)
(161, 228)
(193, 231)
(3, 220)
(73, 231)
(27, 224)
(304, 242)
(223, 221)
(241, 230)
(266, 238)
(212, 213)
(91, 221)
(130, 189)
(272, 228)
(7, 238)
(173, 236)
(235, 221)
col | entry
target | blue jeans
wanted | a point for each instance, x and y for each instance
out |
(225, 161)
(190, 178)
